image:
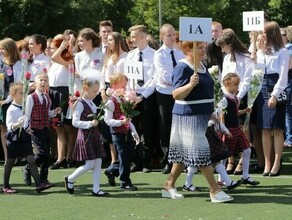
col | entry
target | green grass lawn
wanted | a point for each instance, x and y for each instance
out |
(272, 199)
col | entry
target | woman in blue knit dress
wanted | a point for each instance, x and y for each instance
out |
(194, 101)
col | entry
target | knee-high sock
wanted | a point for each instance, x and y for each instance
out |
(89, 164)
(245, 163)
(223, 162)
(220, 168)
(190, 174)
(96, 173)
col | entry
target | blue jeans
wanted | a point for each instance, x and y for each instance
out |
(124, 143)
(288, 116)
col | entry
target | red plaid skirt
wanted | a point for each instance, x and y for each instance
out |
(238, 142)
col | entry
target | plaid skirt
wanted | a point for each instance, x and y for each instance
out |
(219, 150)
(88, 145)
(188, 142)
(238, 142)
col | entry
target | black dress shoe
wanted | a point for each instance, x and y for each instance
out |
(274, 174)
(110, 178)
(247, 181)
(233, 186)
(167, 169)
(129, 188)
(69, 190)
(265, 173)
(100, 193)
(42, 187)
(237, 172)
(58, 165)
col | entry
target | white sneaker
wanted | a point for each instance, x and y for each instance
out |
(221, 197)
(171, 193)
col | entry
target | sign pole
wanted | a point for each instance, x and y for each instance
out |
(195, 57)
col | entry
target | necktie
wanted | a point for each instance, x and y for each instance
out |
(140, 82)
(44, 100)
(173, 59)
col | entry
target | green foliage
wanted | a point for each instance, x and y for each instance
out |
(26, 17)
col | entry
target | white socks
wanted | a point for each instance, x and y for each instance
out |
(190, 174)
(223, 176)
(95, 166)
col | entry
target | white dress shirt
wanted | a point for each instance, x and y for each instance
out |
(79, 108)
(148, 71)
(40, 64)
(84, 61)
(108, 116)
(243, 67)
(110, 69)
(164, 67)
(12, 116)
(277, 62)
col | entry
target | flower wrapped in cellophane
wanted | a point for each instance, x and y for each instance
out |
(253, 92)
(219, 102)
(25, 91)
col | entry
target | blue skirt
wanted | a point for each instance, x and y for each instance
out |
(269, 118)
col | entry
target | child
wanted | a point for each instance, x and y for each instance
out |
(120, 127)
(88, 146)
(38, 114)
(231, 120)
(219, 151)
(19, 144)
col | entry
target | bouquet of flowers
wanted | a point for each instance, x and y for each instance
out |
(100, 115)
(25, 90)
(128, 102)
(72, 100)
(71, 70)
(219, 102)
(1, 93)
(24, 59)
(255, 88)
(2, 86)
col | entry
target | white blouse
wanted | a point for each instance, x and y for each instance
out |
(79, 108)
(84, 61)
(276, 62)
(58, 75)
(111, 69)
(40, 64)
(243, 67)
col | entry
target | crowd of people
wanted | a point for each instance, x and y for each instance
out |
(67, 98)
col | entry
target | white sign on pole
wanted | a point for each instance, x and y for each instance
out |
(133, 69)
(195, 29)
(253, 20)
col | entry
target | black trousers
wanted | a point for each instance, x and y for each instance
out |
(146, 124)
(165, 105)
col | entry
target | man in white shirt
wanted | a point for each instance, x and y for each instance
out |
(165, 59)
(105, 28)
(146, 104)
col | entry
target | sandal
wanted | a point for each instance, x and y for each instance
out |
(230, 168)
(238, 171)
